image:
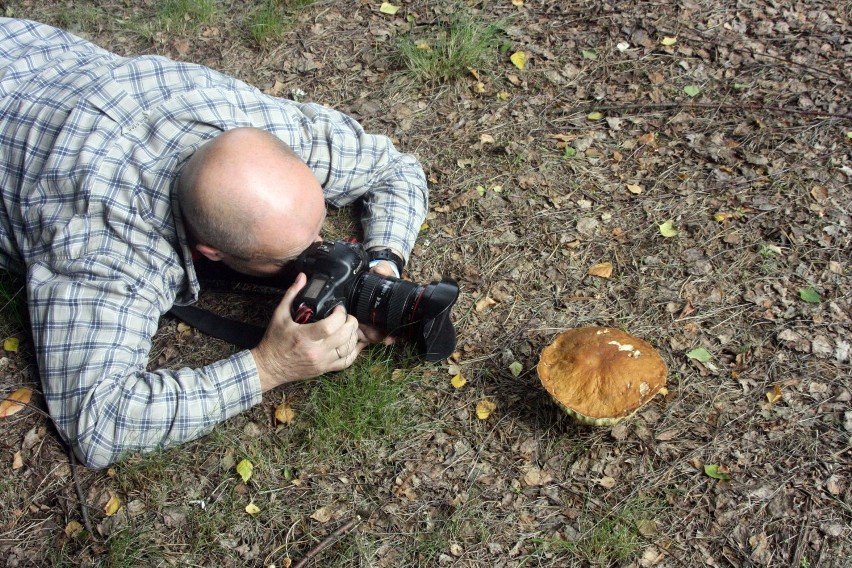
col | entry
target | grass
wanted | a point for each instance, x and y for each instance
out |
(454, 48)
(180, 14)
(266, 24)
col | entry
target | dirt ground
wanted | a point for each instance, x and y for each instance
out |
(702, 148)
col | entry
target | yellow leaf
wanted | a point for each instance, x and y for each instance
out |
(668, 41)
(72, 528)
(634, 189)
(667, 229)
(11, 344)
(485, 303)
(252, 509)
(458, 381)
(503, 96)
(112, 506)
(484, 408)
(284, 413)
(424, 226)
(424, 46)
(594, 115)
(15, 402)
(602, 270)
(388, 8)
(722, 216)
(518, 2)
(774, 395)
(17, 460)
(519, 59)
(479, 87)
(497, 189)
(323, 514)
(480, 190)
(245, 468)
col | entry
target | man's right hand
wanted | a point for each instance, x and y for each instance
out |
(291, 351)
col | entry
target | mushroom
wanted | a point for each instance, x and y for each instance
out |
(601, 375)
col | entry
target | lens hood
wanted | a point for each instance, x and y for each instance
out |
(437, 338)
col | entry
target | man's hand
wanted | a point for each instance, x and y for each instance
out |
(291, 351)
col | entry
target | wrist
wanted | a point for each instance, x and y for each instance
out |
(386, 254)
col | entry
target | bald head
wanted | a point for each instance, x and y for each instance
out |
(247, 195)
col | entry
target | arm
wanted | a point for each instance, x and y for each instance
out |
(353, 165)
(92, 327)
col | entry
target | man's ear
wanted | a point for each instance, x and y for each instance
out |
(212, 253)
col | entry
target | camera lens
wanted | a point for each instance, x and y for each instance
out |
(414, 312)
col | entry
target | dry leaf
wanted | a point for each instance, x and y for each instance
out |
(73, 528)
(647, 138)
(15, 402)
(252, 509)
(484, 408)
(458, 381)
(519, 59)
(388, 8)
(323, 514)
(112, 506)
(634, 189)
(485, 303)
(667, 229)
(602, 270)
(668, 41)
(284, 413)
(17, 460)
(774, 395)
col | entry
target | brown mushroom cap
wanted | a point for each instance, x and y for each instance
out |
(601, 375)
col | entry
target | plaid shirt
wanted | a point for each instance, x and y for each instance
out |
(90, 147)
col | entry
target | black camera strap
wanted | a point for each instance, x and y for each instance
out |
(217, 276)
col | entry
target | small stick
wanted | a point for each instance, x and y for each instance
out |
(328, 541)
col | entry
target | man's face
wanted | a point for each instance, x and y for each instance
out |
(279, 244)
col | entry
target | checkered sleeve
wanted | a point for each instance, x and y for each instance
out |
(353, 165)
(92, 327)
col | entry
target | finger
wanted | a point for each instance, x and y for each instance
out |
(286, 303)
(384, 268)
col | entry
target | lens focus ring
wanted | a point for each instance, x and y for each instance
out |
(364, 307)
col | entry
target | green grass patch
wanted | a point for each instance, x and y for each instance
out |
(365, 403)
(450, 50)
(175, 15)
(267, 23)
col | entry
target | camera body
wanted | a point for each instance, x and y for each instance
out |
(339, 274)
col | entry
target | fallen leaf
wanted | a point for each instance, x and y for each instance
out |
(700, 354)
(284, 413)
(691, 90)
(503, 96)
(17, 460)
(112, 506)
(15, 402)
(590, 54)
(519, 59)
(11, 344)
(647, 138)
(458, 381)
(646, 527)
(252, 509)
(73, 528)
(515, 368)
(810, 295)
(594, 115)
(388, 8)
(716, 471)
(245, 468)
(606, 482)
(667, 229)
(601, 270)
(323, 514)
(485, 303)
(634, 189)
(517, 2)
(774, 395)
(668, 41)
(622, 46)
(484, 408)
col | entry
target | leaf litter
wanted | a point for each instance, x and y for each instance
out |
(751, 171)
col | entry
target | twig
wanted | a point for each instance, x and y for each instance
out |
(328, 541)
(71, 458)
(717, 106)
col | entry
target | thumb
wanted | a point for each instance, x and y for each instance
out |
(286, 303)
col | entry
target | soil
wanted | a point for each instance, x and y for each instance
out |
(702, 148)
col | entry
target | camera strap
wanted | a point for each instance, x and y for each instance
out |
(215, 275)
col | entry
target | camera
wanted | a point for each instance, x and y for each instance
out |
(338, 273)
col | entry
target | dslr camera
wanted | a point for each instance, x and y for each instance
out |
(338, 273)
